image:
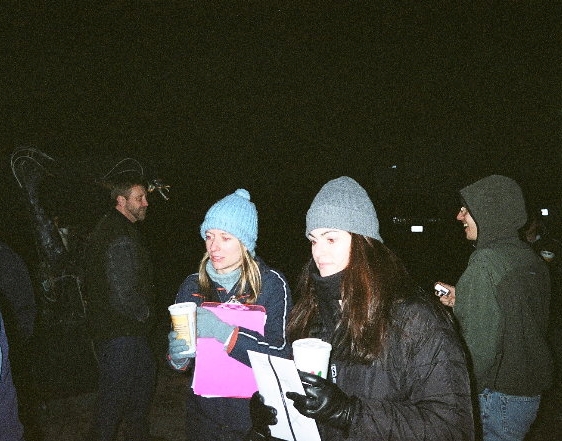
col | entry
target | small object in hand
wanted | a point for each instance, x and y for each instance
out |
(441, 290)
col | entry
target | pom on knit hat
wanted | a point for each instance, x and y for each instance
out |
(236, 215)
(343, 204)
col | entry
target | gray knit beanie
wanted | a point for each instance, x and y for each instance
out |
(343, 204)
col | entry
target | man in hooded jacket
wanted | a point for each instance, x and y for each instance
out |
(501, 302)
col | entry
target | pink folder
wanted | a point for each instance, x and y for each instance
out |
(216, 373)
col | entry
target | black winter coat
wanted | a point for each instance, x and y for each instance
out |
(119, 280)
(417, 389)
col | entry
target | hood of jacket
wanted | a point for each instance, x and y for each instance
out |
(497, 205)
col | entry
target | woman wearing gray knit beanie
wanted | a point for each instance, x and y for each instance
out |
(230, 272)
(397, 366)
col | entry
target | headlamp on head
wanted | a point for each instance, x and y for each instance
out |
(158, 185)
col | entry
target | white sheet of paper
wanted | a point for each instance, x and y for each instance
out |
(271, 374)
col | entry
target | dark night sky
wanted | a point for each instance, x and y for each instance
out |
(280, 97)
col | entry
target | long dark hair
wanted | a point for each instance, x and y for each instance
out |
(374, 280)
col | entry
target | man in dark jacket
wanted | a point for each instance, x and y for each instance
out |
(502, 303)
(120, 312)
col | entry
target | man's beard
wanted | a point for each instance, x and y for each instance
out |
(139, 214)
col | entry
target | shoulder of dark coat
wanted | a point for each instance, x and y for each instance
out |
(113, 224)
(423, 307)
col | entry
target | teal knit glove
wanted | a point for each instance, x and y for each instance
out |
(176, 351)
(209, 325)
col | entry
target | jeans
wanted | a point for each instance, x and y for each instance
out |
(127, 383)
(506, 417)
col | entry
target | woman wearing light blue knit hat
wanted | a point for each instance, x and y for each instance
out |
(230, 271)
(237, 215)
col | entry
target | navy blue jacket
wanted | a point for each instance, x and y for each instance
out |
(216, 417)
(275, 298)
(10, 426)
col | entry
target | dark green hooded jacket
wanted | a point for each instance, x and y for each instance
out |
(502, 298)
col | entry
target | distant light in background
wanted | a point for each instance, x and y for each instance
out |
(544, 211)
(416, 228)
(394, 166)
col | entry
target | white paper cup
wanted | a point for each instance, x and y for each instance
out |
(183, 317)
(312, 355)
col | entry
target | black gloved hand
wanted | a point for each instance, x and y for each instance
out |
(262, 417)
(324, 401)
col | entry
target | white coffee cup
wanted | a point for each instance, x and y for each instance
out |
(183, 317)
(312, 355)
(547, 255)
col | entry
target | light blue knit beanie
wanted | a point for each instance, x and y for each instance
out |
(236, 215)
(343, 204)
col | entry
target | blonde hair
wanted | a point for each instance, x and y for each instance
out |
(249, 284)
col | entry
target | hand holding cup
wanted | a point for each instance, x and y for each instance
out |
(178, 351)
(312, 355)
(183, 317)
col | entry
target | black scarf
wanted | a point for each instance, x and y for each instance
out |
(328, 296)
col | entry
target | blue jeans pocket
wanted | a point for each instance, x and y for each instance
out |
(506, 417)
(518, 413)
